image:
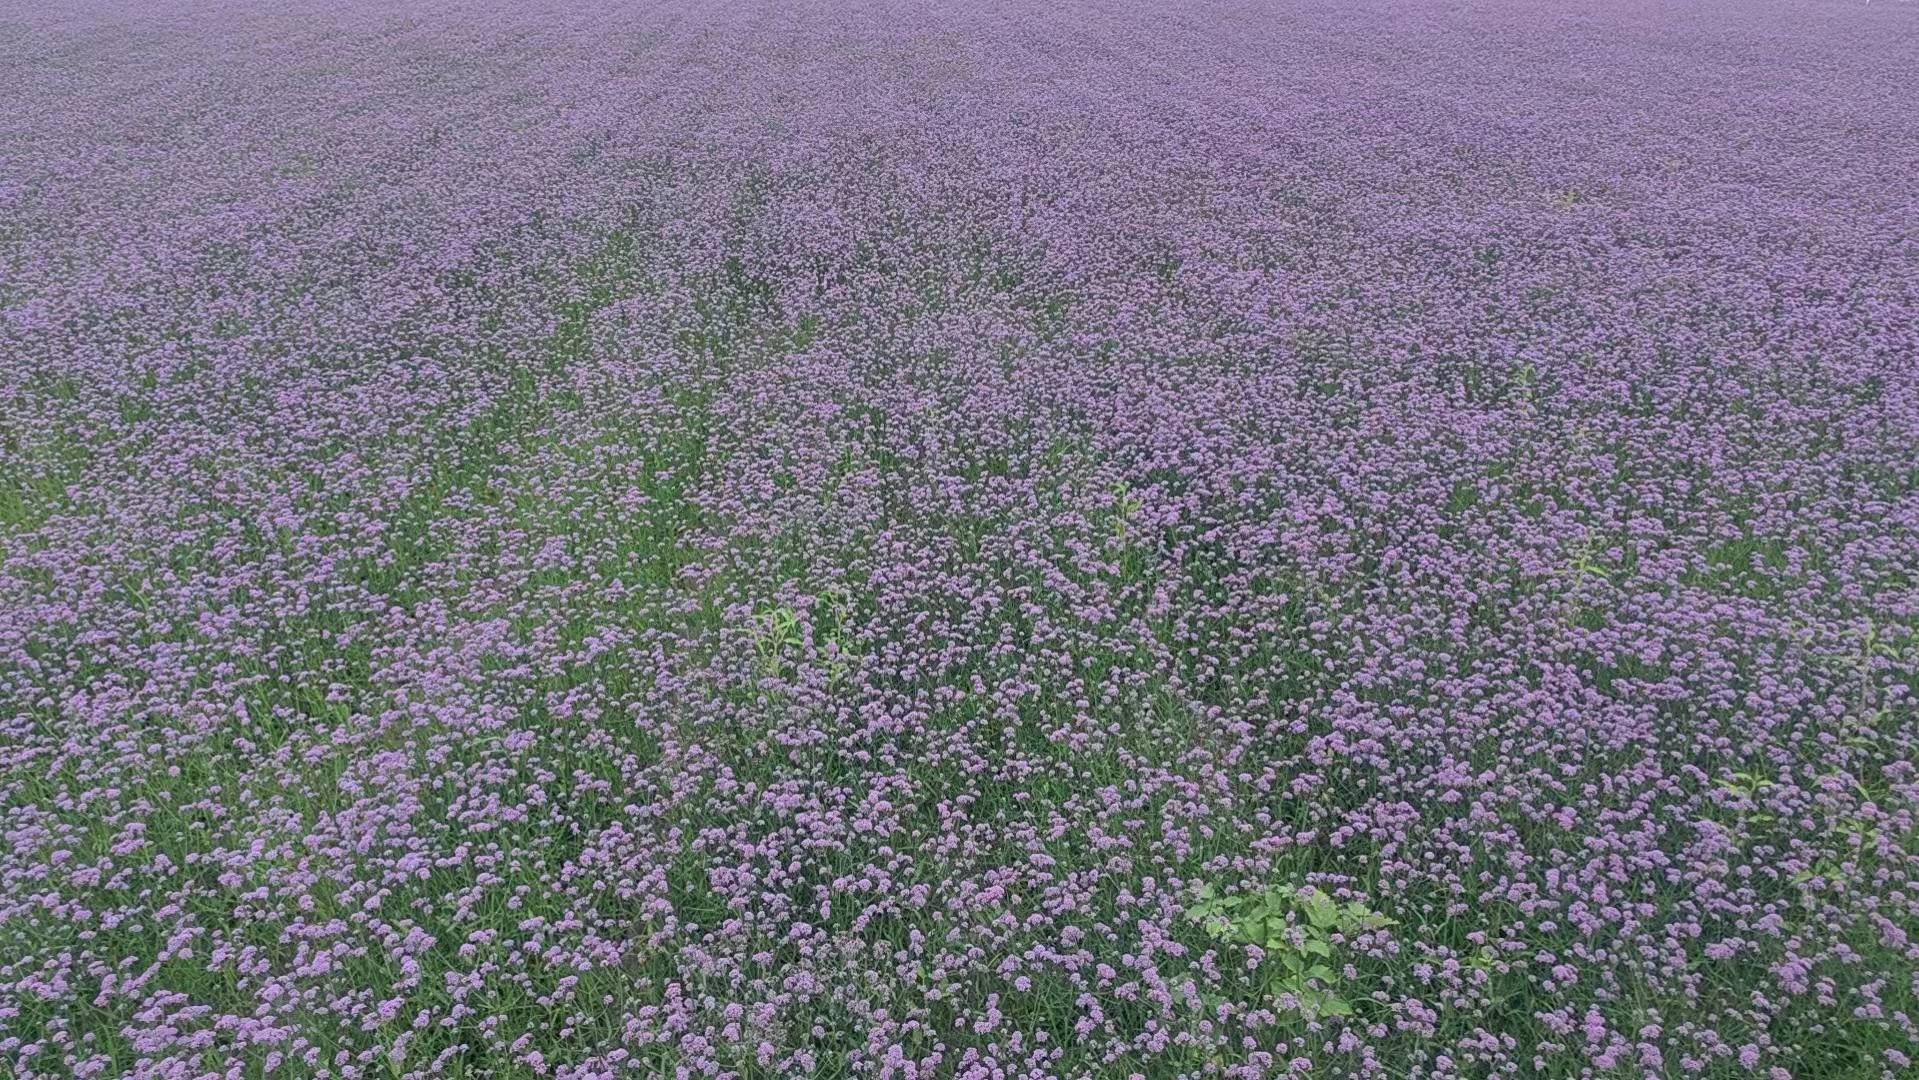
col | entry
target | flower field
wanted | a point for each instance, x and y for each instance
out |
(985, 539)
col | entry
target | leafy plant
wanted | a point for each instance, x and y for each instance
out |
(1299, 929)
(1126, 507)
(838, 609)
(775, 632)
(1746, 788)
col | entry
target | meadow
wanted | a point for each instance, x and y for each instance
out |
(985, 539)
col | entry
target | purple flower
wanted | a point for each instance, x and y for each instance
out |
(909, 540)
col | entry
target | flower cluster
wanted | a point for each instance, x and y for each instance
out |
(983, 540)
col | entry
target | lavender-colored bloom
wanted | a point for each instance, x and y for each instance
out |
(590, 539)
